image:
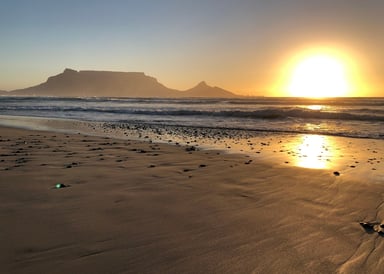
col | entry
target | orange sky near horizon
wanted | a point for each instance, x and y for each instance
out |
(248, 47)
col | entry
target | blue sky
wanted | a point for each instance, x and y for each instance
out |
(238, 45)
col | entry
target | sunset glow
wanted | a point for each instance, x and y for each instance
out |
(319, 76)
(301, 48)
(324, 70)
(192, 136)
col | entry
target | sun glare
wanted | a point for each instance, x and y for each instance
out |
(319, 76)
(314, 151)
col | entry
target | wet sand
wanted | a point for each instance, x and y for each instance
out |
(145, 207)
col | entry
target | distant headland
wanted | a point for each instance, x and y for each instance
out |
(85, 83)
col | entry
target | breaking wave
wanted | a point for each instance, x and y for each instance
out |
(352, 117)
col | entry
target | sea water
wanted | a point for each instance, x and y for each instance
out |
(349, 117)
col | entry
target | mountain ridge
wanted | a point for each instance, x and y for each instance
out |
(91, 83)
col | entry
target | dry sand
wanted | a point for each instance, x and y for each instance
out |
(139, 207)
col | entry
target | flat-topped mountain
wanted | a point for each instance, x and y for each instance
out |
(72, 83)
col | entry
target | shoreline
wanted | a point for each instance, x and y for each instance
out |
(147, 207)
(355, 157)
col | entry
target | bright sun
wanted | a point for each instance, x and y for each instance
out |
(319, 76)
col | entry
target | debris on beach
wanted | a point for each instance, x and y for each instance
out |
(60, 185)
(371, 227)
(336, 173)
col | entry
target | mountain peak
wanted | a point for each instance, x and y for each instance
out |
(202, 84)
(204, 90)
(68, 70)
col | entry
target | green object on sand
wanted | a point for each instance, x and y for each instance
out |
(60, 185)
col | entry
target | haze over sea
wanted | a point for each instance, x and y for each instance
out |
(349, 117)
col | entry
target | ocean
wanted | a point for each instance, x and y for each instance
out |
(348, 117)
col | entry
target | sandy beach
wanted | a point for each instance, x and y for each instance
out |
(142, 207)
(188, 137)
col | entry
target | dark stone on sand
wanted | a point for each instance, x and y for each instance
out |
(69, 166)
(191, 148)
(368, 226)
(98, 148)
(202, 165)
(371, 227)
(21, 160)
(336, 173)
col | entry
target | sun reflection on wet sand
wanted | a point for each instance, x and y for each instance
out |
(314, 151)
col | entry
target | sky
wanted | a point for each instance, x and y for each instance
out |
(245, 46)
